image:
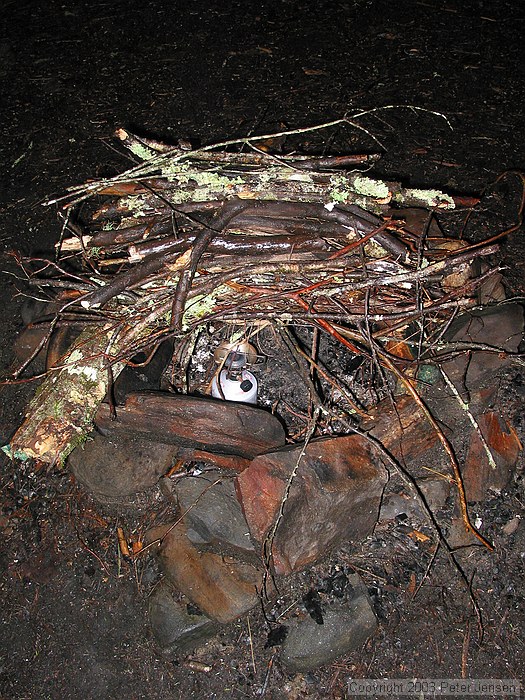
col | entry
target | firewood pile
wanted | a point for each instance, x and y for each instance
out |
(190, 237)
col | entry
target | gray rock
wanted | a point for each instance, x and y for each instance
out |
(435, 490)
(216, 515)
(223, 587)
(346, 627)
(498, 327)
(120, 465)
(175, 628)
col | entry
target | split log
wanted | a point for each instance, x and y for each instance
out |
(195, 422)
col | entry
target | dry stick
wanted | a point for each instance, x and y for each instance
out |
(149, 229)
(464, 651)
(236, 244)
(261, 216)
(172, 262)
(405, 316)
(429, 567)
(258, 158)
(229, 210)
(251, 646)
(390, 280)
(86, 190)
(156, 265)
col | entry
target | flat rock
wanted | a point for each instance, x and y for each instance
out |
(195, 422)
(346, 627)
(213, 511)
(334, 496)
(222, 587)
(120, 465)
(481, 475)
(498, 327)
(177, 627)
(435, 490)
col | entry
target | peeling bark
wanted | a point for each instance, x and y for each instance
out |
(62, 410)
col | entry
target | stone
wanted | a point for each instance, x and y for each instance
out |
(120, 465)
(400, 427)
(178, 628)
(496, 326)
(481, 475)
(334, 496)
(195, 422)
(213, 513)
(222, 587)
(346, 627)
(435, 490)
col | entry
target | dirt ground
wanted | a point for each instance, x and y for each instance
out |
(74, 622)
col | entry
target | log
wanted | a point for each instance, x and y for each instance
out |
(196, 423)
(61, 412)
(188, 181)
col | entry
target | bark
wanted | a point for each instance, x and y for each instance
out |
(196, 423)
(62, 410)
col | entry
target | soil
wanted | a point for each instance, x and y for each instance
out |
(74, 622)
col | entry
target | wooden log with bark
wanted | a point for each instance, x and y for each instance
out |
(195, 422)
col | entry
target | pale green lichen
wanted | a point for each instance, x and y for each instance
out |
(299, 177)
(91, 373)
(75, 356)
(344, 188)
(137, 204)
(202, 305)
(339, 196)
(374, 250)
(94, 252)
(339, 188)
(428, 198)
(141, 151)
(267, 176)
(371, 188)
(58, 408)
(175, 169)
(201, 185)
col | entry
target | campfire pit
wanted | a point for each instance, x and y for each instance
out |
(307, 260)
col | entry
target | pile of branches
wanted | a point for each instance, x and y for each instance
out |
(187, 237)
